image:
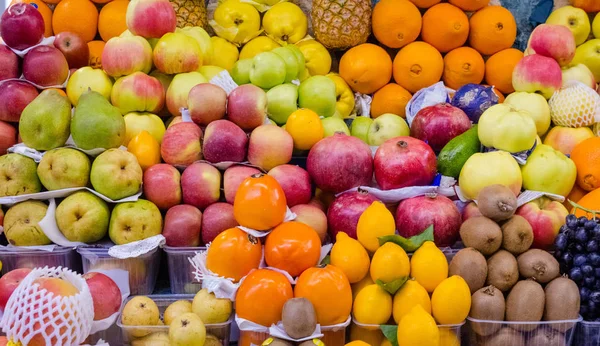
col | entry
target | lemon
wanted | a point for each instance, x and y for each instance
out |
(366, 281)
(376, 221)
(418, 328)
(390, 262)
(258, 45)
(386, 342)
(373, 305)
(409, 295)
(348, 255)
(448, 338)
(370, 336)
(225, 53)
(451, 301)
(305, 127)
(429, 266)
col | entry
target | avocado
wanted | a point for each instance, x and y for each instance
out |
(454, 154)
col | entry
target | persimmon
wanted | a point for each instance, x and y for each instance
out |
(233, 254)
(259, 203)
(293, 247)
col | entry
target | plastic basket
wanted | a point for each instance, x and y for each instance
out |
(220, 330)
(181, 270)
(143, 270)
(588, 334)
(375, 331)
(483, 332)
(59, 257)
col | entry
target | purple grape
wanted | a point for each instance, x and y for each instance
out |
(579, 260)
(576, 274)
(589, 281)
(584, 294)
(579, 248)
(581, 235)
(567, 258)
(590, 224)
(594, 259)
(582, 220)
(561, 241)
(595, 297)
(571, 221)
(592, 246)
(587, 270)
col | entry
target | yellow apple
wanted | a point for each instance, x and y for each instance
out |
(88, 78)
(138, 122)
(203, 39)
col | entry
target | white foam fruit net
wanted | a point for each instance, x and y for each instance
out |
(575, 105)
(33, 312)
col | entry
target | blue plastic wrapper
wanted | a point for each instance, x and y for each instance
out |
(430, 96)
(474, 99)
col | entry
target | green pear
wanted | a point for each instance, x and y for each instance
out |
(317, 93)
(589, 55)
(18, 175)
(45, 122)
(96, 123)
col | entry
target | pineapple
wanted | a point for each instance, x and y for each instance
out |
(340, 24)
(190, 13)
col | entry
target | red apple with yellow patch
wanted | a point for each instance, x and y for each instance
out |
(181, 144)
(564, 139)
(312, 216)
(270, 146)
(138, 92)
(151, 18)
(123, 56)
(232, 179)
(207, 103)
(201, 185)
(9, 283)
(162, 185)
(546, 217)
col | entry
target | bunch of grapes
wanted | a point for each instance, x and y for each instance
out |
(577, 246)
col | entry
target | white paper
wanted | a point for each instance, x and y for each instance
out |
(46, 41)
(224, 80)
(277, 331)
(50, 228)
(430, 96)
(249, 326)
(528, 196)
(397, 195)
(362, 104)
(221, 287)
(185, 115)
(46, 195)
(121, 278)
(137, 248)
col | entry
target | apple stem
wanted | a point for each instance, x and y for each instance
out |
(588, 211)
(257, 175)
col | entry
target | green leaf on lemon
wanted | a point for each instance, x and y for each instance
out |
(411, 244)
(393, 286)
(391, 333)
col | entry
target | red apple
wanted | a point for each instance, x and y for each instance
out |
(9, 63)
(339, 163)
(207, 103)
(162, 185)
(404, 161)
(106, 295)
(414, 215)
(554, 41)
(8, 136)
(3, 341)
(247, 106)
(295, 183)
(74, 48)
(151, 18)
(217, 218)
(346, 209)
(232, 179)
(270, 146)
(437, 125)
(201, 185)
(182, 226)
(313, 216)
(45, 66)
(181, 144)
(546, 217)
(15, 96)
(9, 283)
(224, 141)
(471, 210)
(22, 26)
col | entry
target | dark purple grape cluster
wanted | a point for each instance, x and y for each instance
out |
(577, 251)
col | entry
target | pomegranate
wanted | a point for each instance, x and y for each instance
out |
(339, 163)
(21, 26)
(438, 124)
(346, 209)
(415, 214)
(404, 161)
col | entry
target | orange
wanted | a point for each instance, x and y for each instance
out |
(493, 29)
(575, 195)
(305, 127)
(445, 27)
(111, 22)
(462, 66)
(418, 66)
(329, 291)
(96, 48)
(469, 5)
(44, 10)
(145, 148)
(591, 201)
(396, 23)
(261, 297)
(366, 68)
(425, 3)
(78, 16)
(259, 203)
(233, 254)
(499, 69)
(293, 247)
(586, 156)
(392, 98)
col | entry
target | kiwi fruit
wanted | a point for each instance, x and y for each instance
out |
(471, 266)
(562, 302)
(503, 271)
(547, 337)
(525, 302)
(517, 235)
(506, 336)
(497, 202)
(538, 265)
(299, 318)
(482, 234)
(487, 304)
(271, 341)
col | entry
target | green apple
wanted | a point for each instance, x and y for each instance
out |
(332, 125)
(18, 175)
(133, 221)
(317, 93)
(138, 122)
(589, 55)
(299, 56)
(45, 122)
(241, 71)
(291, 62)
(573, 18)
(116, 174)
(282, 100)
(596, 26)
(64, 168)
(360, 128)
(268, 70)
(387, 126)
(83, 217)
(21, 224)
